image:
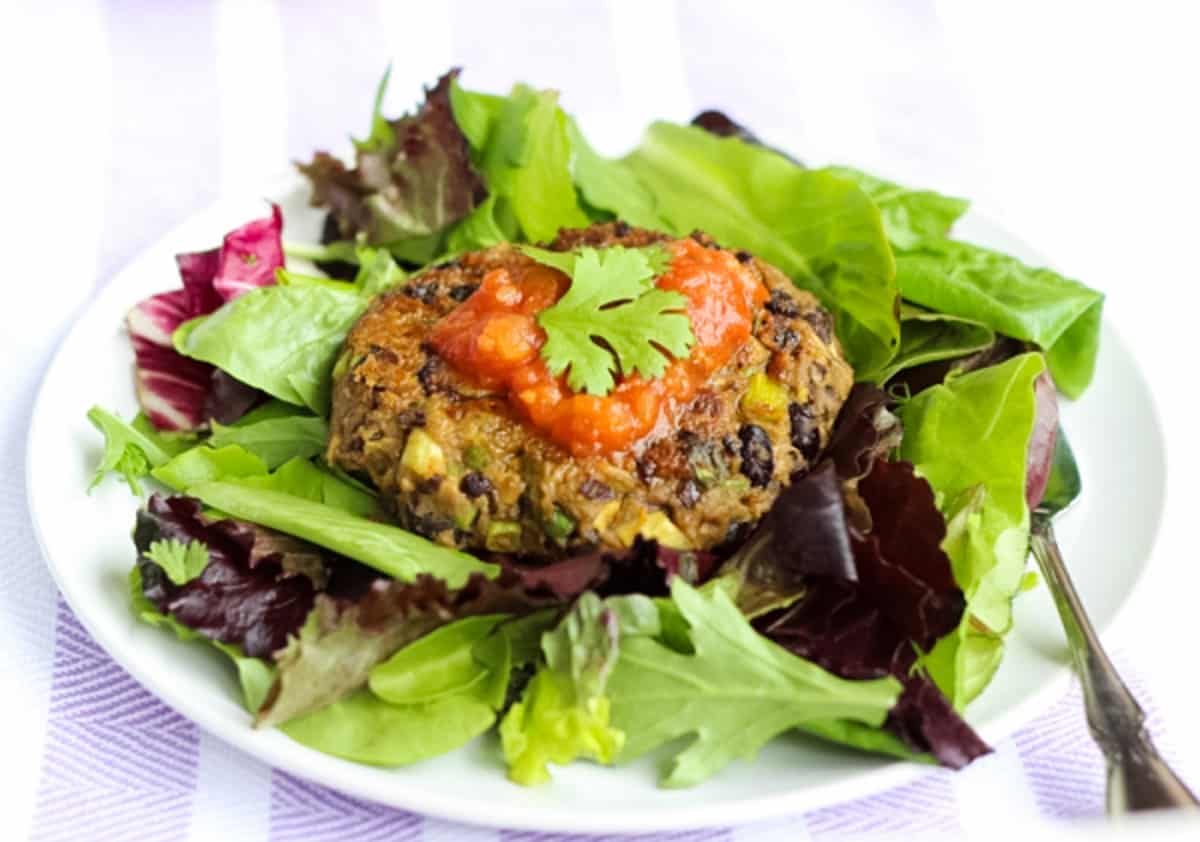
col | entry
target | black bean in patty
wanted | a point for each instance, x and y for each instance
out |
(475, 484)
(758, 457)
(782, 304)
(593, 489)
(805, 436)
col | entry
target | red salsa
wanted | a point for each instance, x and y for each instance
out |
(494, 338)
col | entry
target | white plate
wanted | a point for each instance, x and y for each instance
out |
(1107, 538)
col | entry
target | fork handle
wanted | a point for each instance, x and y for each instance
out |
(1138, 777)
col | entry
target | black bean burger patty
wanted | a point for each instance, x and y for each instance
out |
(458, 464)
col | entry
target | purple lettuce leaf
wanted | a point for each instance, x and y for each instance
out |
(847, 571)
(413, 177)
(256, 590)
(926, 721)
(322, 621)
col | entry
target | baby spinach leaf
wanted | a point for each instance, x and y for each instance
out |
(282, 339)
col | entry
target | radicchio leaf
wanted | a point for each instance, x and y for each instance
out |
(178, 393)
(1039, 458)
(412, 179)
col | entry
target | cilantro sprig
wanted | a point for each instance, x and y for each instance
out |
(612, 318)
(181, 562)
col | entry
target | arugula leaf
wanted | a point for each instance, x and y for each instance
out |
(735, 693)
(1060, 315)
(389, 549)
(820, 229)
(275, 440)
(909, 215)
(983, 494)
(132, 449)
(282, 339)
(611, 298)
(181, 562)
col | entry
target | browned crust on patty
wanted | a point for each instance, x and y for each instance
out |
(716, 471)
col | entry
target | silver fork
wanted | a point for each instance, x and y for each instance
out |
(1138, 777)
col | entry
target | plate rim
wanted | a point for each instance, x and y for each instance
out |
(292, 758)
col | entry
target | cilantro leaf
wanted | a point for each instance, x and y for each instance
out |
(612, 299)
(736, 692)
(181, 562)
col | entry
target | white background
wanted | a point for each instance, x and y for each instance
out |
(1075, 125)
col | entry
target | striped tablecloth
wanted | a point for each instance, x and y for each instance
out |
(134, 114)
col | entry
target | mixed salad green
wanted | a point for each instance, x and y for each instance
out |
(868, 607)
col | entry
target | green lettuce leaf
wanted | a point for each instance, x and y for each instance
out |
(1060, 315)
(336, 649)
(301, 478)
(282, 339)
(489, 224)
(524, 152)
(388, 549)
(275, 440)
(182, 562)
(366, 729)
(550, 725)
(820, 229)
(342, 642)
(564, 713)
(736, 692)
(445, 662)
(927, 337)
(297, 477)
(132, 449)
(982, 494)
(909, 215)
(204, 464)
(612, 184)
